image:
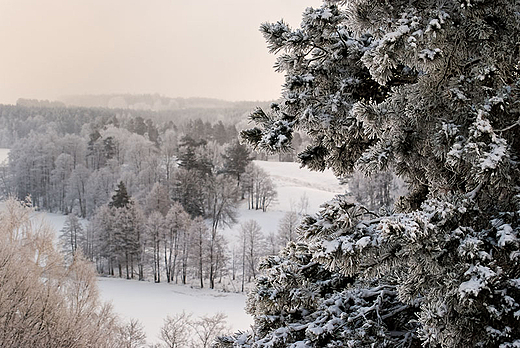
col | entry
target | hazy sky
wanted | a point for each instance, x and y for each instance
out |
(206, 48)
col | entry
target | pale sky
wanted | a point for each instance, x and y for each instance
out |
(205, 48)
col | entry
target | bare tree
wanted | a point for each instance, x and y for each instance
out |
(176, 224)
(253, 246)
(222, 209)
(200, 240)
(71, 234)
(206, 330)
(180, 331)
(45, 302)
(155, 230)
(77, 187)
(63, 166)
(132, 335)
(176, 331)
(259, 188)
(169, 148)
(158, 199)
(287, 227)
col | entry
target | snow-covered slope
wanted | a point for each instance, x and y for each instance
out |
(293, 183)
(298, 189)
(151, 303)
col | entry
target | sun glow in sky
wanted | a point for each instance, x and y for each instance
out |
(176, 48)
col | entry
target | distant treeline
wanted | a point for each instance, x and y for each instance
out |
(154, 102)
(16, 121)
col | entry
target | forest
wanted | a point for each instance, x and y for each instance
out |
(154, 196)
(427, 91)
(155, 193)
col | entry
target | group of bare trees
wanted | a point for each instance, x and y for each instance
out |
(182, 187)
(181, 331)
(159, 240)
(163, 242)
(258, 188)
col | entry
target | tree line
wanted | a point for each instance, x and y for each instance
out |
(155, 198)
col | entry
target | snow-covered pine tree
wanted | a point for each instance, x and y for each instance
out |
(431, 89)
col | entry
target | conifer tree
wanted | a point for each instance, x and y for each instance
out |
(431, 89)
(120, 199)
(236, 158)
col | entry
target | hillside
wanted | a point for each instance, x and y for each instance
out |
(150, 303)
(298, 189)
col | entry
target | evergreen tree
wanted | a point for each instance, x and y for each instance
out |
(431, 89)
(120, 199)
(193, 175)
(236, 158)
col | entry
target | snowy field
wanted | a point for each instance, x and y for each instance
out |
(298, 189)
(294, 185)
(151, 303)
(293, 182)
(3, 155)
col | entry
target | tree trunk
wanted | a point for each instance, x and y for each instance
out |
(167, 263)
(127, 262)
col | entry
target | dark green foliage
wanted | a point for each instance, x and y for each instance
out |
(430, 89)
(298, 302)
(196, 169)
(192, 156)
(120, 199)
(236, 158)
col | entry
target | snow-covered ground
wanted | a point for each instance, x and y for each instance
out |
(151, 303)
(4, 153)
(293, 182)
(294, 186)
(298, 189)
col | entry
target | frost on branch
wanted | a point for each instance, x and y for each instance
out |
(430, 89)
(298, 303)
(275, 135)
